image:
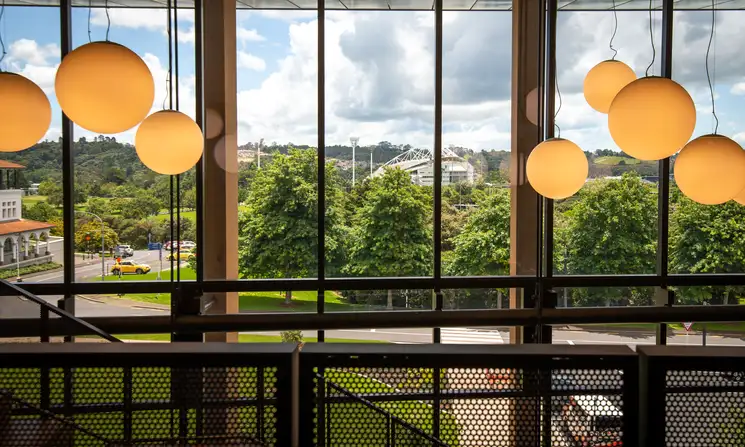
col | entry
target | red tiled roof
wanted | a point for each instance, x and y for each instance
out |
(19, 226)
(10, 165)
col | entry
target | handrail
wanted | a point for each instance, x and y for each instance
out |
(59, 419)
(391, 417)
(57, 311)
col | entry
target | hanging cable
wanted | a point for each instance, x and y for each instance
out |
(90, 7)
(178, 176)
(108, 20)
(708, 76)
(2, 42)
(615, 30)
(558, 109)
(651, 39)
(170, 58)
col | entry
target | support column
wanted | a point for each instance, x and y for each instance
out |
(2, 249)
(26, 243)
(220, 248)
(37, 236)
(526, 115)
(46, 248)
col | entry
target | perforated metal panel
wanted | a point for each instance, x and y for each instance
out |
(138, 406)
(704, 408)
(475, 407)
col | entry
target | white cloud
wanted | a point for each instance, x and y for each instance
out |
(249, 35)
(288, 15)
(251, 62)
(27, 51)
(150, 19)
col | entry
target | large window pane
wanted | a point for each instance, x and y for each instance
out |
(610, 226)
(380, 100)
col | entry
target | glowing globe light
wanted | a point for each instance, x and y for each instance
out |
(557, 168)
(604, 81)
(25, 113)
(169, 142)
(104, 87)
(652, 118)
(710, 169)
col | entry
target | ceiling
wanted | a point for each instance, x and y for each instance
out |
(422, 5)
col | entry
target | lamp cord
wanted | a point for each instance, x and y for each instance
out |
(175, 49)
(651, 39)
(558, 109)
(108, 20)
(2, 42)
(169, 83)
(615, 30)
(708, 76)
(90, 8)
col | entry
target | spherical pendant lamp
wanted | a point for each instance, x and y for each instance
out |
(557, 168)
(652, 118)
(104, 87)
(169, 142)
(710, 169)
(604, 81)
(25, 113)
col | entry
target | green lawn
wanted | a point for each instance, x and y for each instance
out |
(191, 215)
(615, 160)
(32, 200)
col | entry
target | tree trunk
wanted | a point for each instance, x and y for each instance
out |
(288, 297)
(390, 299)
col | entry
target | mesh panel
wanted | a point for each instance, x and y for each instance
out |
(139, 406)
(714, 416)
(478, 407)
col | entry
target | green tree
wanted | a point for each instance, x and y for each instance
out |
(279, 229)
(483, 247)
(88, 236)
(707, 239)
(98, 206)
(41, 211)
(392, 229)
(189, 199)
(612, 229)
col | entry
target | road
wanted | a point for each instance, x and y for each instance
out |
(13, 307)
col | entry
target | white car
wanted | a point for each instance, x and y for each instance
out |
(188, 245)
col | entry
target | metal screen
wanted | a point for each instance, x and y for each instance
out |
(549, 401)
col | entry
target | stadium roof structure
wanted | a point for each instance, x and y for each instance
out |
(417, 156)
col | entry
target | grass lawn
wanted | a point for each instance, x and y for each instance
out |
(32, 200)
(615, 160)
(191, 215)
(187, 274)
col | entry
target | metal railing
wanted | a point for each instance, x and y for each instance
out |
(44, 330)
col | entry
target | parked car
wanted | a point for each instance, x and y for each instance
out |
(129, 267)
(183, 255)
(183, 244)
(126, 251)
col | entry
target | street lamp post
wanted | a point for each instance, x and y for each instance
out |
(354, 141)
(103, 262)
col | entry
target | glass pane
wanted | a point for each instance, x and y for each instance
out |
(708, 238)
(379, 142)
(476, 143)
(610, 226)
(31, 246)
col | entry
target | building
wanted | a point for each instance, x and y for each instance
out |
(419, 163)
(23, 241)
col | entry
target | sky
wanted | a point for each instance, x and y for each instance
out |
(380, 70)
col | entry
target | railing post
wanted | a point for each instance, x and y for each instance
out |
(306, 404)
(44, 390)
(390, 432)
(436, 402)
(127, 402)
(260, 402)
(44, 323)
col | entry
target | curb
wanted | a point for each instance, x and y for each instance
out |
(134, 305)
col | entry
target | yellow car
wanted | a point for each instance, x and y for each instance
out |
(184, 255)
(129, 267)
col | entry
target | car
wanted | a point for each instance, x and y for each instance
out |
(183, 255)
(183, 244)
(129, 267)
(126, 251)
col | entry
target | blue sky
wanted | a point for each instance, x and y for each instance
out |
(380, 70)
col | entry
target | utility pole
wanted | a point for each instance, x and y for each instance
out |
(258, 153)
(354, 141)
(103, 260)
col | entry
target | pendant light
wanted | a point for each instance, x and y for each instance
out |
(557, 168)
(606, 79)
(652, 117)
(25, 113)
(169, 142)
(711, 169)
(104, 87)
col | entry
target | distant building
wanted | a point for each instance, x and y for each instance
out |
(19, 236)
(33, 189)
(419, 163)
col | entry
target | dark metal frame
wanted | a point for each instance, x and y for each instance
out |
(541, 312)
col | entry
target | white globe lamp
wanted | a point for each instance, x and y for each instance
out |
(169, 142)
(104, 87)
(652, 118)
(604, 81)
(557, 168)
(710, 169)
(25, 113)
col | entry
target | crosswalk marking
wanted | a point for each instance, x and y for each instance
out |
(467, 336)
